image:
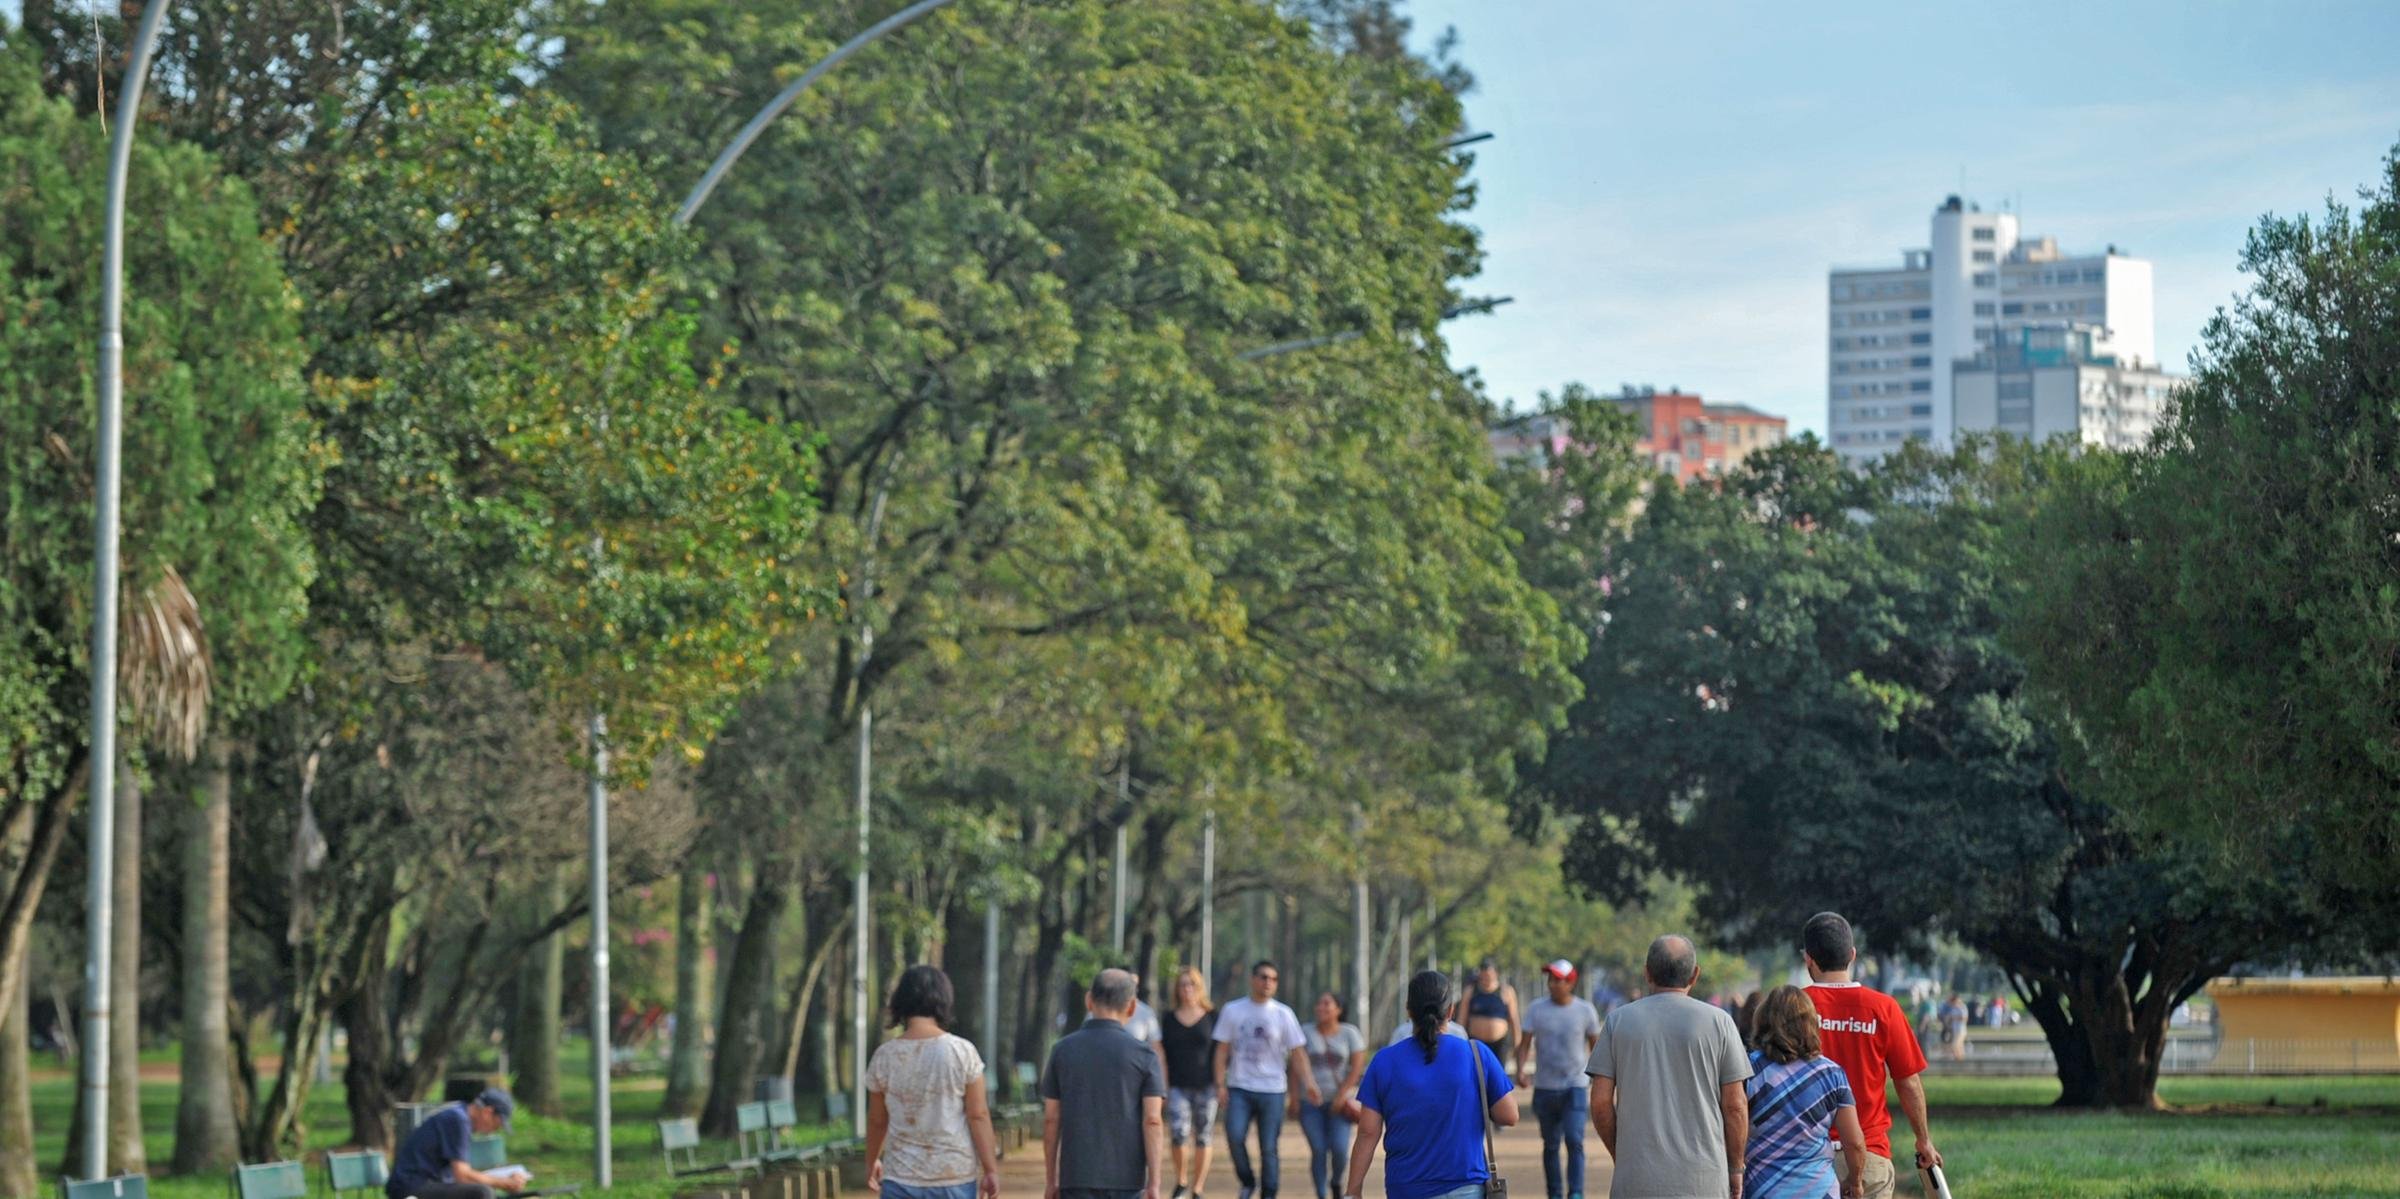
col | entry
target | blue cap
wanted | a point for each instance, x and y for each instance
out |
(501, 1105)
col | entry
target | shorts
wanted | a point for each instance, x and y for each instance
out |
(1191, 1112)
(1879, 1175)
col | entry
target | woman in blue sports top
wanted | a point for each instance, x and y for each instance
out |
(1489, 1010)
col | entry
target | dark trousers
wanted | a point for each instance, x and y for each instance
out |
(1562, 1114)
(1265, 1109)
(438, 1190)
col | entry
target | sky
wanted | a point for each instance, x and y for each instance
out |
(1670, 182)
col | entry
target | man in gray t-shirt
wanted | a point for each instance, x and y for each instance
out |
(1560, 1032)
(1667, 1078)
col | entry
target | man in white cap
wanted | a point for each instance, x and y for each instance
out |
(1560, 1032)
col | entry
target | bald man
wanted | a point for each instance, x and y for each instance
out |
(1667, 1076)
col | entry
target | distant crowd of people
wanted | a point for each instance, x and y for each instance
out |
(1790, 1104)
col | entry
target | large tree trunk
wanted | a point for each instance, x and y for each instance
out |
(366, 1075)
(822, 936)
(206, 1140)
(687, 1062)
(533, 1028)
(126, 1154)
(17, 1177)
(742, 1027)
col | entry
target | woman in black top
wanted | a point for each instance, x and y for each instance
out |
(1188, 1035)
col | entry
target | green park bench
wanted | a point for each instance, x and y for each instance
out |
(752, 1139)
(270, 1180)
(683, 1136)
(359, 1170)
(123, 1186)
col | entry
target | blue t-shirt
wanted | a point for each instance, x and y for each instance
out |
(1432, 1121)
(428, 1153)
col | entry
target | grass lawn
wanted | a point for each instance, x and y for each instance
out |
(2227, 1138)
(555, 1149)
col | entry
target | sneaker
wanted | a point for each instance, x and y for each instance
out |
(1247, 1191)
(1180, 1190)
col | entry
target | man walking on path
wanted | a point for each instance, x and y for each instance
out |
(1261, 1055)
(1667, 1076)
(1868, 1036)
(1103, 1124)
(1560, 1032)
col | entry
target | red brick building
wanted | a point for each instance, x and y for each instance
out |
(1687, 437)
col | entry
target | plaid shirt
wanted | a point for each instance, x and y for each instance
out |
(1792, 1106)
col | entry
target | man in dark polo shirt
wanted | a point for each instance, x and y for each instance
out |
(1103, 1127)
(432, 1162)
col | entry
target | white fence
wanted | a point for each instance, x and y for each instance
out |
(2021, 1050)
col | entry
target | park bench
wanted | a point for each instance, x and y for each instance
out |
(683, 1136)
(358, 1170)
(123, 1186)
(270, 1180)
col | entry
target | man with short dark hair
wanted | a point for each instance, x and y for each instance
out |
(1868, 1036)
(1103, 1097)
(1261, 1053)
(1667, 1076)
(432, 1162)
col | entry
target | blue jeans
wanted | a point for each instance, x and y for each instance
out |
(902, 1190)
(1328, 1145)
(1265, 1109)
(1562, 1113)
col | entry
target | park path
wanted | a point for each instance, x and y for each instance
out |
(1520, 1151)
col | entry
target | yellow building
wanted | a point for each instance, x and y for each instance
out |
(2307, 1024)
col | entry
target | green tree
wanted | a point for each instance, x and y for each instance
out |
(2219, 615)
(1801, 702)
(221, 466)
(1016, 312)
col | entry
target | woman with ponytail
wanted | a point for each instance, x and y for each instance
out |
(1422, 1096)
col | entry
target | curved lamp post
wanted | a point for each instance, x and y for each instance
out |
(99, 919)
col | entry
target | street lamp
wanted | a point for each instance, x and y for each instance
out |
(99, 918)
(861, 951)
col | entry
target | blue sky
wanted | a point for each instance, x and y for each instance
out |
(1671, 182)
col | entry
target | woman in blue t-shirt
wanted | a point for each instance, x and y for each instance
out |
(1420, 1095)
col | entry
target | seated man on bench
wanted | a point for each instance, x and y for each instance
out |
(432, 1162)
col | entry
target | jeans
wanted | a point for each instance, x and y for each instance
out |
(903, 1190)
(1265, 1109)
(1562, 1113)
(1328, 1145)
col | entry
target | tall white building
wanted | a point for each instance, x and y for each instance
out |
(2062, 380)
(1894, 333)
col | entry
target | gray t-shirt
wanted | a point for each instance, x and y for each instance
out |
(1099, 1074)
(1329, 1057)
(1669, 1054)
(1560, 1032)
(1144, 1024)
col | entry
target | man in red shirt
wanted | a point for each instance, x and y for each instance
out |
(1869, 1037)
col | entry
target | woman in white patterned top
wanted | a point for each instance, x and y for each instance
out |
(929, 1130)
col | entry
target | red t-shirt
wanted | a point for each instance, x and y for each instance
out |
(1869, 1037)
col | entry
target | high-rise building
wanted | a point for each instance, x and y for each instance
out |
(2044, 381)
(1893, 334)
(1680, 433)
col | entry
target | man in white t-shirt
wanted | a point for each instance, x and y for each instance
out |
(1261, 1055)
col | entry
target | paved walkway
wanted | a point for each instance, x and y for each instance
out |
(1520, 1151)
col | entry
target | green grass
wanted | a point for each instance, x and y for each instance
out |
(557, 1149)
(2323, 1137)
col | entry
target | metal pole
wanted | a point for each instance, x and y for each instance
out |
(1116, 916)
(100, 874)
(602, 1155)
(1208, 897)
(1360, 968)
(861, 950)
(863, 953)
(783, 100)
(991, 994)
